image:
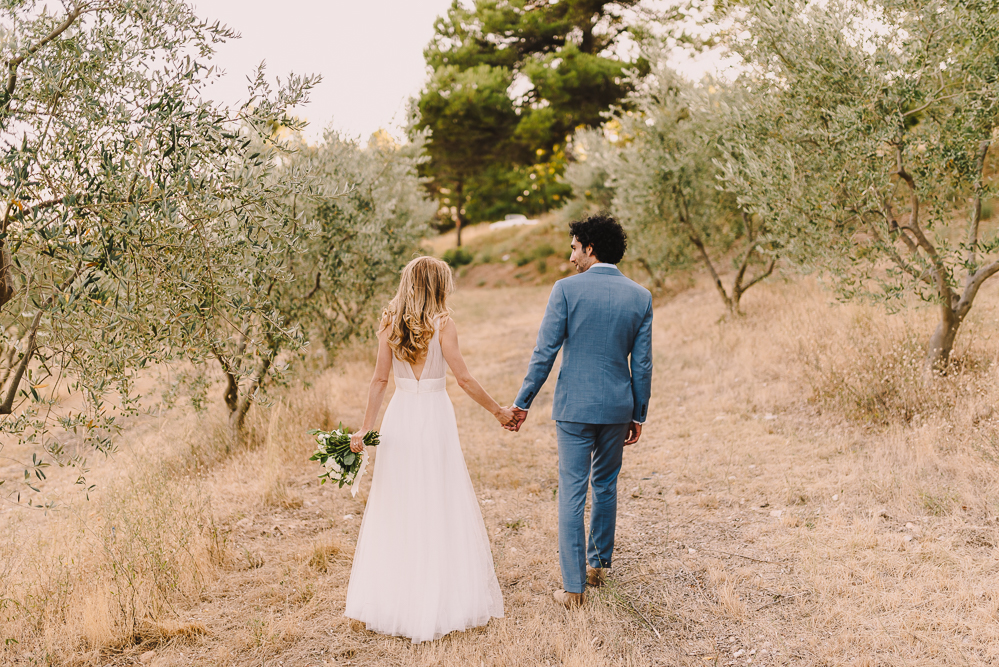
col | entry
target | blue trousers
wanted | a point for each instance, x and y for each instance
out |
(588, 454)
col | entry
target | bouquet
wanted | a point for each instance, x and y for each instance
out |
(339, 464)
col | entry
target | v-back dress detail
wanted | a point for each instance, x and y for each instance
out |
(422, 567)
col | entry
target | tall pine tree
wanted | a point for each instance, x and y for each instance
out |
(512, 79)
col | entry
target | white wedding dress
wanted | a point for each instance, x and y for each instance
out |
(422, 566)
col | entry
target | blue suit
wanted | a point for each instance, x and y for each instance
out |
(602, 322)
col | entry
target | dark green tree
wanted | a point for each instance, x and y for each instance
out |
(531, 72)
(470, 119)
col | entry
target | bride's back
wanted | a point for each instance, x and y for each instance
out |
(418, 309)
(430, 366)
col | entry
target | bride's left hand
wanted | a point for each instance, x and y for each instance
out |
(357, 441)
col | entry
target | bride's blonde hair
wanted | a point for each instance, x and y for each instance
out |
(418, 308)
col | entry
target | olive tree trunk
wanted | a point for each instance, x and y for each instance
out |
(459, 218)
(238, 400)
(730, 297)
(954, 305)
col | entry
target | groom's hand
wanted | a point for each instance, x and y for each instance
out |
(520, 416)
(514, 423)
(634, 433)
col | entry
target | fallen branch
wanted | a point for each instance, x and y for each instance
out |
(755, 560)
(647, 621)
(621, 601)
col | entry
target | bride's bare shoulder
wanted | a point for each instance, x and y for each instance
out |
(384, 326)
(448, 329)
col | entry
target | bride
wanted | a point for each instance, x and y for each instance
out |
(422, 566)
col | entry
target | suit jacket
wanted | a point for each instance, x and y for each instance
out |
(599, 318)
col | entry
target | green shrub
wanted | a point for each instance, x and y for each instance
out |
(523, 260)
(457, 257)
(544, 250)
(542, 264)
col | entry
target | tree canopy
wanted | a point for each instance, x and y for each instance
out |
(512, 79)
(141, 224)
(656, 167)
(872, 137)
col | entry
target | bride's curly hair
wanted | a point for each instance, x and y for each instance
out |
(419, 307)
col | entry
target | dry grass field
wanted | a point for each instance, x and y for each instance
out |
(800, 496)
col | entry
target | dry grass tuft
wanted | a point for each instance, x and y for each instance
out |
(278, 494)
(150, 634)
(730, 603)
(708, 501)
(323, 554)
(870, 368)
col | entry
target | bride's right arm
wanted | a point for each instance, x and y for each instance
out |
(471, 386)
(376, 392)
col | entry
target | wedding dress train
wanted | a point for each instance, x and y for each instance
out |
(422, 567)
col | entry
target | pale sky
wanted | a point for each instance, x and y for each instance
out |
(370, 53)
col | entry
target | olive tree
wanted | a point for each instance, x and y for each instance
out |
(347, 239)
(661, 164)
(880, 118)
(129, 207)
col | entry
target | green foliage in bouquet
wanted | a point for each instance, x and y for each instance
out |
(340, 465)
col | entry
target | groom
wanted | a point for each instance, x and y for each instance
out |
(600, 319)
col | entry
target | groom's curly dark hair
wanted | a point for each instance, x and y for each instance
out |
(604, 234)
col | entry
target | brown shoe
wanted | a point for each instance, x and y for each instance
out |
(569, 600)
(596, 576)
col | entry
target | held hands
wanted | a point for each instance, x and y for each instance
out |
(511, 418)
(357, 441)
(519, 416)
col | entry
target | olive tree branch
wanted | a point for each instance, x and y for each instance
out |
(926, 106)
(315, 289)
(684, 215)
(889, 247)
(976, 211)
(938, 269)
(7, 94)
(7, 406)
(766, 272)
(975, 282)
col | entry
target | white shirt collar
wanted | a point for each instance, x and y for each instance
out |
(593, 266)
